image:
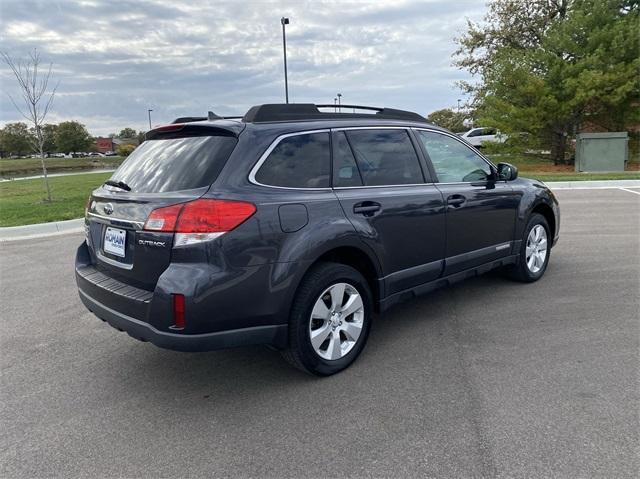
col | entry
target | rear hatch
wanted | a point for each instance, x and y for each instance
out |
(176, 164)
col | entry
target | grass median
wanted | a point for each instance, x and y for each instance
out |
(22, 201)
(545, 170)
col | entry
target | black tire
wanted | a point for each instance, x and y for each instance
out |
(300, 352)
(520, 271)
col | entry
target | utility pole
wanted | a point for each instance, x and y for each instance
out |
(285, 21)
(149, 111)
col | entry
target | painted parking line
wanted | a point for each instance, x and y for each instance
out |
(630, 191)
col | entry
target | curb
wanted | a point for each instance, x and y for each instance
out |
(41, 230)
(55, 175)
(594, 184)
(11, 233)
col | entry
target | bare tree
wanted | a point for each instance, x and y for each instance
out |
(37, 99)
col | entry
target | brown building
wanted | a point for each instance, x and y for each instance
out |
(111, 144)
(104, 144)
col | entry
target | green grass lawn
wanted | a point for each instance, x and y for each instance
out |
(31, 166)
(21, 202)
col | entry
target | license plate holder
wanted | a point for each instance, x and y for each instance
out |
(115, 241)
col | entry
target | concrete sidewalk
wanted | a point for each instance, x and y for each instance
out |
(55, 175)
(588, 185)
(74, 226)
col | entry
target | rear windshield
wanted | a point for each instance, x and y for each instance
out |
(174, 164)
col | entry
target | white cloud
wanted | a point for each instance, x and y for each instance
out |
(116, 59)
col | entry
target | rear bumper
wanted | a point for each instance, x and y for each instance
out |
(274, 335)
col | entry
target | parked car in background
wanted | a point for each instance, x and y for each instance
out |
(292, 226)
(95, 153)
(110, 153)
(477, 136)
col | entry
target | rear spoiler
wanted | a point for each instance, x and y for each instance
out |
(180, 130)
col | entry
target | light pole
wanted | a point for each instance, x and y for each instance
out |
(285, 21)
(339, 101)
(149, 112)
(335, 105)
(459, 105)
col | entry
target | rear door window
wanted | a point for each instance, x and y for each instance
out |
(173, 164)
(300, 161)
(385, 157)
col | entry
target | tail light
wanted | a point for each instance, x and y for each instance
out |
(199, 220)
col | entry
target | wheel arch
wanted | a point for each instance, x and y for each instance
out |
(357, 257)
(546, 211)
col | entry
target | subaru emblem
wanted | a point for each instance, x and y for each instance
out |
(108, 208)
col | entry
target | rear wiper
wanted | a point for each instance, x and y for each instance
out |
(118, 184)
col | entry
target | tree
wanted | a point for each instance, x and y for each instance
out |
(449, 119)
(37, 98)
(16, 139)
(72, 136)
(127, 133)
(142, 135)
(548, 67)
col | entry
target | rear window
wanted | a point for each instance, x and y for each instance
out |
(300, 161)
(174, 164)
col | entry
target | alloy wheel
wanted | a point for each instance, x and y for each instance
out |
(536, 250)
(336, 321)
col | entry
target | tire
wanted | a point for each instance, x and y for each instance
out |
(526, 270)
(345, 332)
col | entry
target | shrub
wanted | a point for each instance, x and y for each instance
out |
(125, 150)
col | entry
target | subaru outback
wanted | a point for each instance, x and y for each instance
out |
(293, 225)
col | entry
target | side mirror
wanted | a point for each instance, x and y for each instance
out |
(507, 172)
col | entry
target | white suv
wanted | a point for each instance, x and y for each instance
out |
(476, 136)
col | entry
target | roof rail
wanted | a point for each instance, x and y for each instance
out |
(309, 111)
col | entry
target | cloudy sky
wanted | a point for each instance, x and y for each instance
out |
(115, 59)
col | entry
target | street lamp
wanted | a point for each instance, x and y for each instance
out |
(285, 21)
(335, 105)
(339, 102)
(459, 104)
(149, 111)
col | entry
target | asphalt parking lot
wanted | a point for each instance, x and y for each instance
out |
(488, 378)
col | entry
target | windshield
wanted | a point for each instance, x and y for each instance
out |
(175, 164)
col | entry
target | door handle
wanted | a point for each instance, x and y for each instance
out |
(367, 208)
(456, 200)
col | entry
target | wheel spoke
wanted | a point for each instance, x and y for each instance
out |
(352, 330)
(528, 252)
(337, 295)
(320, 310)
(334, 351)
(353, 304)
(319, 336)
(537, 233)
(542, 245)
(531, 262)
(538, 261)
